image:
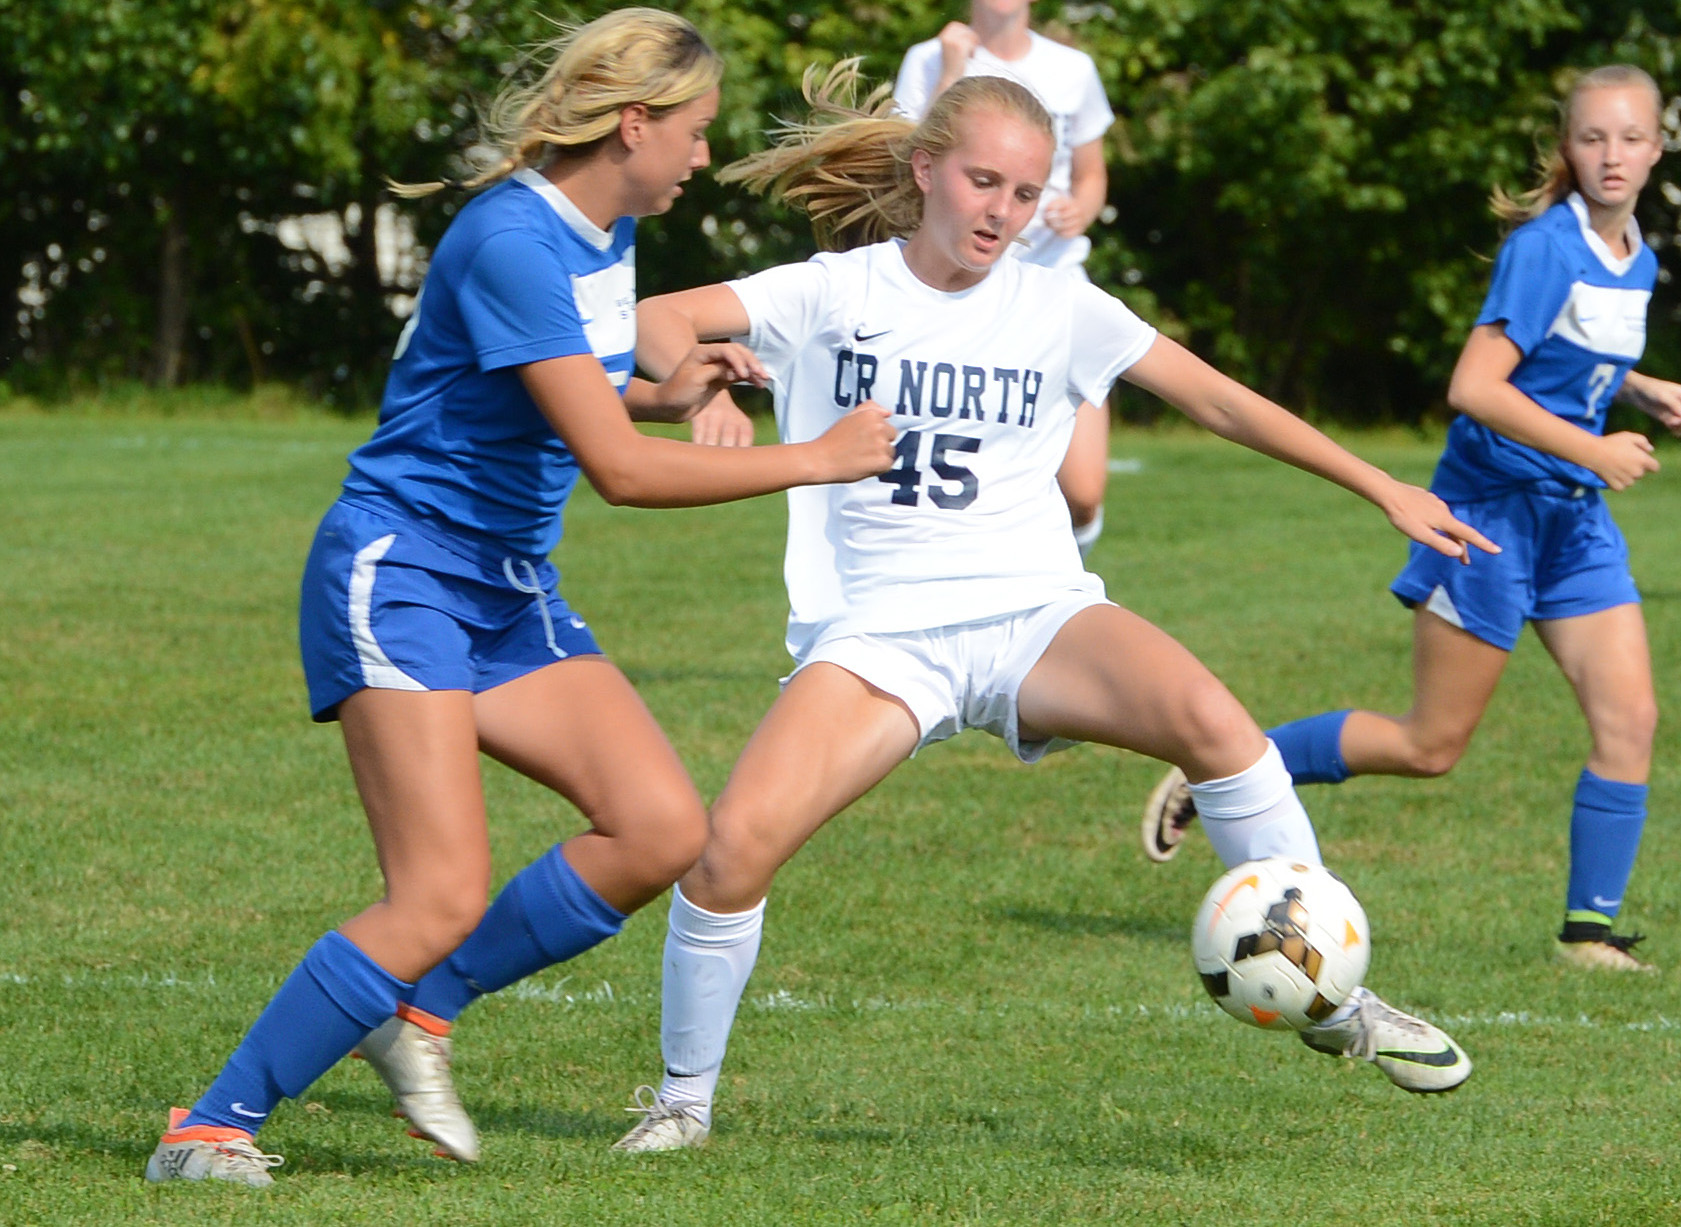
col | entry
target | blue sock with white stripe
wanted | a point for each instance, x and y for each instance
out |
(329, 1002)
(545, 915)
(1605, 827)
(1312, 748)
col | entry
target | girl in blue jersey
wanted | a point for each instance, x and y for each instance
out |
(430, 622)
(1559, 333)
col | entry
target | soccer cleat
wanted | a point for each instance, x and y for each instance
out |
(663, 1126)
(414, 1064)
(1586, 943)
(1168, 815)
(1412, 1054)
(209, 1152)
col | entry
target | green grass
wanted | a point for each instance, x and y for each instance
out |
(975, 1003)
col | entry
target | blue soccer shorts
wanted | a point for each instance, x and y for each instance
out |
(388, 604)
(1562, 556)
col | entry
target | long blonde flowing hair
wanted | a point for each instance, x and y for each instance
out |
(632, 55)
(847, 164)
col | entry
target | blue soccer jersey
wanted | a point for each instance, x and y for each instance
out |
(520, 276)
(1578, 314)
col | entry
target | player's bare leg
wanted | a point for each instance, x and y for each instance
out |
(1109, 676)
(829, 738)
(1606, 659)
(1454, 676)
(578, 727)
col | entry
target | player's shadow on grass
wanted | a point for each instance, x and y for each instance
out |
(27, 1144)
(487, 1114)
(1085, 924)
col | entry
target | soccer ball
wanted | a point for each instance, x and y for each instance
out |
(1280, 943)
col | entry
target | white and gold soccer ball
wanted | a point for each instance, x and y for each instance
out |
(1280, 943)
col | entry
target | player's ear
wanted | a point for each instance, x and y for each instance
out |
(922, 169)
(633, 124)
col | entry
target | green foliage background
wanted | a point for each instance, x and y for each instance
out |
(1298, 186)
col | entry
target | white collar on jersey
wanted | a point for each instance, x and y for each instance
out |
(1616, 264)
(569, 213)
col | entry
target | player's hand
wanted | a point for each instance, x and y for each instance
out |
(1066, 217)
(1427, 520)
(859, 445)
(1623, 458)
(957, 44)
(707, 370)
(1660, 400)
(721, 423)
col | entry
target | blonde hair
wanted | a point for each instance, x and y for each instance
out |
(1556, 180)
(847, 165)
(632, 56)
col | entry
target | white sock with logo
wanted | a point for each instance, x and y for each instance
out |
(1256, 814)
(708, 958)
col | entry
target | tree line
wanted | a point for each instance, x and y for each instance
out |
(195, 190)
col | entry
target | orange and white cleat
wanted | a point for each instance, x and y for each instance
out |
(209, 1152)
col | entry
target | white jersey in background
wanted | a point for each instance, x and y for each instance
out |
(969, 522)
(1064, 79)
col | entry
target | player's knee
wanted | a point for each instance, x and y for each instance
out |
(1209, 723)
(440, 918)
(1627, 731)
(664, 838)
(739, 860)
(1435, 757)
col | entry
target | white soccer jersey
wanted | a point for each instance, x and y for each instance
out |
(1066, 81)
(969, 523)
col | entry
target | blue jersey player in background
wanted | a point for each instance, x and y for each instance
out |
(430, 621)
(1555, 344)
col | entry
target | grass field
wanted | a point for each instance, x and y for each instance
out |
(975, 1002)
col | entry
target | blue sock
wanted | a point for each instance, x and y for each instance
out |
(1605, 828)
(329, 1002)
(1312, 748)
(545, 915)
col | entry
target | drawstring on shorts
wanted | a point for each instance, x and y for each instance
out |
(532, 587)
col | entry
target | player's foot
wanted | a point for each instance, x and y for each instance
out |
(663, 1126)
(1168, 815)
(1585, 943)
(1412, 1053)
(209, 1152)
(414, 1064)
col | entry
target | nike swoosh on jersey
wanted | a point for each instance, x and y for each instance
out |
(861, 335)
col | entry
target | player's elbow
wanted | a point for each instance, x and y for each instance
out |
(619, 485)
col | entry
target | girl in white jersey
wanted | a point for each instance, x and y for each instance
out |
(1527, 459)
(431, 625)
(947, 593)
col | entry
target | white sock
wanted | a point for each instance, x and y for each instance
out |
(708, 958)
(1086, 535)
(1256, 814)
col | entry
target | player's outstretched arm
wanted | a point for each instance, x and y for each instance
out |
(1234, 412)
(633, 469)
(1482, 388)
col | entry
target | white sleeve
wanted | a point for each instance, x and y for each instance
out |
(1094, 115)
(784, 305)
(1105, 339)
(918, 75)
